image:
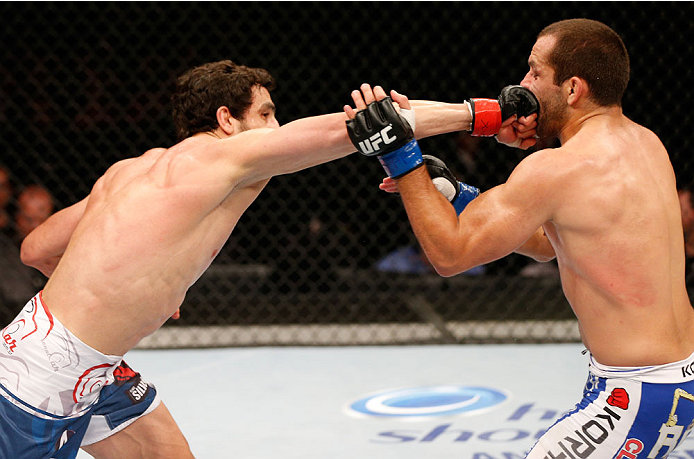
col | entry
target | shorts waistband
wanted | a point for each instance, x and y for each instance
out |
(674, 372)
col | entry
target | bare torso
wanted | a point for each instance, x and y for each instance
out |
(151, 227)
(619, 244)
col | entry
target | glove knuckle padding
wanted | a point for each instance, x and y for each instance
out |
(437, 168)
(459, 194)
(443, 178)
(376, 115)
(517, 100)
(387, 135)
(489, 114)
(379, 129)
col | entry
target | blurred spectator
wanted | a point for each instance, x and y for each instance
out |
(408, 259)
(34, 206)
(17, 281)
(5, 195)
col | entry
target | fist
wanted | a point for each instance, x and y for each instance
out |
(517, 100)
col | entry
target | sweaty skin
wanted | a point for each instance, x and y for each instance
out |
(616, 228)
(121, 260)
(605, 203)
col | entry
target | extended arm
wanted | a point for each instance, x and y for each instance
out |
(45, 245)
(311, 141)
(438, 118)
(315, 140)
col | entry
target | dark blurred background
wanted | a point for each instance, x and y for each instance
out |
(83, 85)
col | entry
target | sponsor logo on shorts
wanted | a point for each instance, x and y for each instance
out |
(138, 391)
(123, 373)
(594, 432)
(428, 402)
(631, 449)
(9, 343)
(619, 398)
(688, 370)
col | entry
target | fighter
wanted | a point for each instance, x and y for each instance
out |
(605, 205)
(120, 262)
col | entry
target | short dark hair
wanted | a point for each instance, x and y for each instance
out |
(202, 90)
(592, 51)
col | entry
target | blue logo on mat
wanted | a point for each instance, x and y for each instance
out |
(428, 402)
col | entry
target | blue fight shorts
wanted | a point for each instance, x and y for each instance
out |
(57, 393)
(626, 413)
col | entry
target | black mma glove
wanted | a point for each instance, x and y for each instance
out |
(488, 114)
(458, 193)
(379, 130)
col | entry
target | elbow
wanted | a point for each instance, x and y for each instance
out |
(446, 266)
(446, 271)
(32, 257)
(543, 257)
(29, 254)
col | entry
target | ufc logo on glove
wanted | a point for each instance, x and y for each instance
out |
(368, 146)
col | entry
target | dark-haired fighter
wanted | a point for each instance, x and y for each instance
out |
(605, 204)
(121, 260)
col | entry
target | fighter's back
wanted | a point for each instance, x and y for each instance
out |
(618, 238)
(151, 227)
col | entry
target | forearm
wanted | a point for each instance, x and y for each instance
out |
(434, 118)
(434, 222)
(41, 252)
(45, 245)
(537, 247)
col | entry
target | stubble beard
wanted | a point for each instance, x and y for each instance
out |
(552, 118)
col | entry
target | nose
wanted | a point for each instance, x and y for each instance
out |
(274, 123)
(526, 81)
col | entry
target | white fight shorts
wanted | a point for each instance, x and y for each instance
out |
(626, 413)
(57, 393)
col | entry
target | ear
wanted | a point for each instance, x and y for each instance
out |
(227, 123)
(576, 89)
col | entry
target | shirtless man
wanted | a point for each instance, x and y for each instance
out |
(605, 204)
(120, 262)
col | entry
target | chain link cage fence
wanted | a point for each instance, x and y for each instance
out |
(323, 256)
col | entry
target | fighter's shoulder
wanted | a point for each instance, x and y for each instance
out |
(646, 136)
(129, 166)
(546, 165)
(149, 156)
(153, 153)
